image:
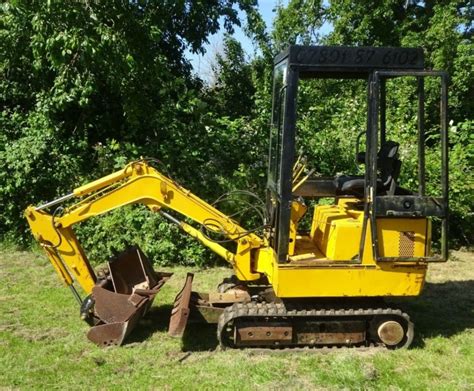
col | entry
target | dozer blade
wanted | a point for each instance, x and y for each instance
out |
(124, 296)
(180, 312)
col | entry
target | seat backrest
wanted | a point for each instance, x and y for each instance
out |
(389, 164)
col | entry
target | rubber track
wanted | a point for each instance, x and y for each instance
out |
(254, 310)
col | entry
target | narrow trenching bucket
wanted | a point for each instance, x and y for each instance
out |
(124, 296)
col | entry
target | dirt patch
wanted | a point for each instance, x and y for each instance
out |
(43, 335)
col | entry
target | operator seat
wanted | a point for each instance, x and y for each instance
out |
(388, 165)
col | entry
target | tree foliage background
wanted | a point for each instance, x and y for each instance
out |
(89, 86)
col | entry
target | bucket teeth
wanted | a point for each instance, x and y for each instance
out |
(124, 297)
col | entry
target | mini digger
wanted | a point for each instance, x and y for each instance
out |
(323, 286)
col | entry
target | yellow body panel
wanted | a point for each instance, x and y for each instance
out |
(332, 226)
(336, 231)
(326, 264)
(349, 281)
(310, 279)
(400, 237)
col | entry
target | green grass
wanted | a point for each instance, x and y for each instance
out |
(43, 343)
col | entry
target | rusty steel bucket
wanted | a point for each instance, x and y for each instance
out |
(123, 296)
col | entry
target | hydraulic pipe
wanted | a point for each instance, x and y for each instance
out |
(195, 233)
(55, 202)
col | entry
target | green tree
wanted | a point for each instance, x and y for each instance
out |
(88, 87)
(233, 90)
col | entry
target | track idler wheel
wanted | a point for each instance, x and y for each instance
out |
(393, 331)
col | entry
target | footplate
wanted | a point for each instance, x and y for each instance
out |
(180, 312)
(123, 297)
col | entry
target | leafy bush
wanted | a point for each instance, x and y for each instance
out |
(162, 242)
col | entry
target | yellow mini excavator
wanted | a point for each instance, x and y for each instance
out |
(323, 286)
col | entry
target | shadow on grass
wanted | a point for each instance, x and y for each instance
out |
(200, 337)
(443, 309)
(157, 319)
(197, 337)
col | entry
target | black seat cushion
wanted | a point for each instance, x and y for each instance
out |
(353, 185)
(388, 165)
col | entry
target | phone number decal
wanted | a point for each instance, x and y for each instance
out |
(360, 57)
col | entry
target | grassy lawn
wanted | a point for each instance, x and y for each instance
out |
(43, 343)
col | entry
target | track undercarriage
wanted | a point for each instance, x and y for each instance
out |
(251, 317)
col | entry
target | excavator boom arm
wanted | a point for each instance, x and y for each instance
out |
(137, 183)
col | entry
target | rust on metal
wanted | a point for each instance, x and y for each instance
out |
(180, 312)
(111, 307)
(311, 333)
(310, 326)
(406, 244)
(207, 307)
(131, 270)
(124, 296)
(248, 335)
(110, 334)
(230, 297)
(332, 333)
(331, 338)
(391, 332)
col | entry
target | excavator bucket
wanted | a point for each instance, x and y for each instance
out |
(124, 296)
